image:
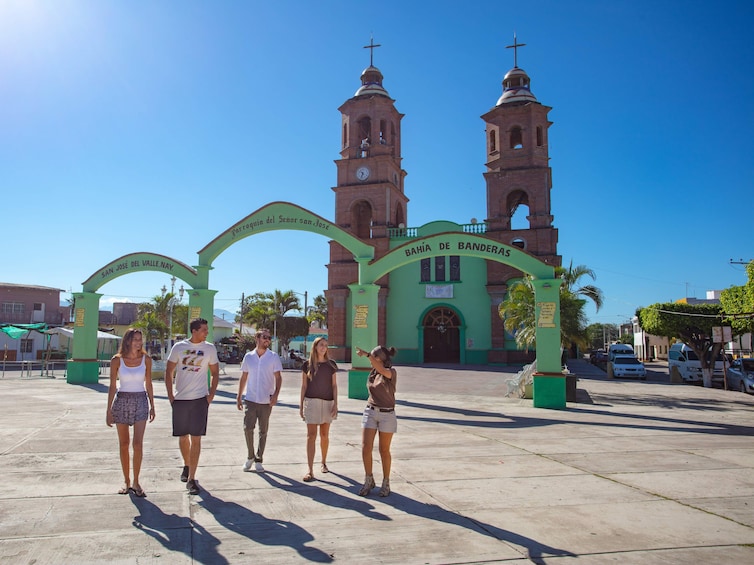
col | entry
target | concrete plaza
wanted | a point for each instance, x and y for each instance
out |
(634, 472)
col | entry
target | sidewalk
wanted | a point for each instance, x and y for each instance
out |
(635, 472)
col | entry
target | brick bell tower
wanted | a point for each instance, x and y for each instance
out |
(369, 196)
(518, 173)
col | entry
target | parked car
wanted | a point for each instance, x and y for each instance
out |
(598, 356)
(740, 375)
(683, 359)
(629, 366)
(619, 349)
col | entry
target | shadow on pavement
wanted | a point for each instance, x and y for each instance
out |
(259, 529)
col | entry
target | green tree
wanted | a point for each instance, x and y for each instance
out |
(150, 324)
(690, 323)
(518, 314)
(267, 310)
(599, 335)
(156, 312)
(318, 312)
(738, 305)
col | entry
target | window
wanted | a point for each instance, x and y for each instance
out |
(439, 269)
(517, 138)
(539, 136)
(493, 142)
(13, 308)
(365, 134)
(425, 275)
(27, 345)
(455, 268)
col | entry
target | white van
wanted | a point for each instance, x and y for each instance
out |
(685, 361)
(619, 349)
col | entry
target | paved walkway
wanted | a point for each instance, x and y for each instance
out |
(635, 472)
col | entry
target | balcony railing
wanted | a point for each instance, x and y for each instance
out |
(412, 233)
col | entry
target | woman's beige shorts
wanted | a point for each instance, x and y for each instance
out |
(318, 411)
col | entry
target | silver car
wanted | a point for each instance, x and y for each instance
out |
(741, 375)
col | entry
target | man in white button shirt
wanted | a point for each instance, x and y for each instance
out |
(261, 379)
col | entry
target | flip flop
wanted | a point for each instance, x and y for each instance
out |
(308, 478)
(124, 490)
(138, 491)
(324, 468)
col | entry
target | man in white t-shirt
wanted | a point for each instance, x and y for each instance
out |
(191, 360)
(261, 378)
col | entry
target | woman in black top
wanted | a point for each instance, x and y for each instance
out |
(319, 402)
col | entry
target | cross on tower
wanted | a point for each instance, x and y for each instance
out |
(515, 47)
(371, 48)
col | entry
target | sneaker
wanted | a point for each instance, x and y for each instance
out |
(258, 467)
(192, 486)
(247, 465)
(184, 474)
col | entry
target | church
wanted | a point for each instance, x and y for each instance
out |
(442, 309)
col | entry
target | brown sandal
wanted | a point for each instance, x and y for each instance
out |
(324, 468)
(308, 478)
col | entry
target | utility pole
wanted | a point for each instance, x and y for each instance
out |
(240, 325)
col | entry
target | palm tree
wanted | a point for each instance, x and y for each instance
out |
(155, 315)
(518, 308)
(318, 312)
(517, 313)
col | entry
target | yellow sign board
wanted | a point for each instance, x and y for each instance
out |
(546, 314)
(360, 315)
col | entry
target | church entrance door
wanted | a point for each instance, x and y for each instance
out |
(442, 336)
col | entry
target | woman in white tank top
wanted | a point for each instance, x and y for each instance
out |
(130, 403)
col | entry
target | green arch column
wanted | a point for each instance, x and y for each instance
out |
(202, 305)
(364, 316)
(549, 387)
(83, 367)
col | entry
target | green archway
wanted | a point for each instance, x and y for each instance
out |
(549, 383)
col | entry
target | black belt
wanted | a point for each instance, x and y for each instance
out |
(380, 409)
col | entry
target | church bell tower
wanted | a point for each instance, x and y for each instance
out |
(369, 196)
(518, 174)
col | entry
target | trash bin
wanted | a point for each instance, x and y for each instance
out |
(571, 388)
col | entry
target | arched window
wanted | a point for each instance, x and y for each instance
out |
(345, 135)
(540, 141)
(365, 133)
(517, 207)
(517, 138)
(361, 219)
(493, 141)
(400, 216)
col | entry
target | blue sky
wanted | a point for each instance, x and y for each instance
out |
(154, 126)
